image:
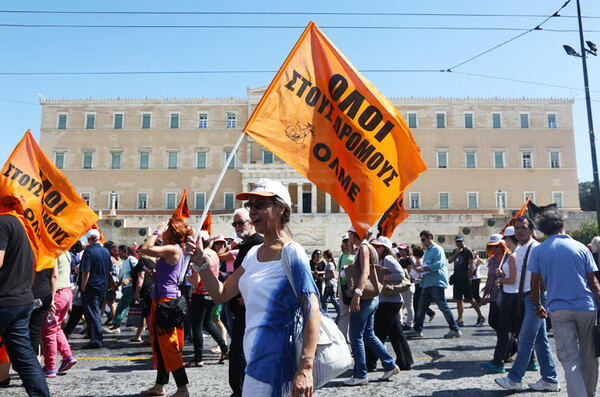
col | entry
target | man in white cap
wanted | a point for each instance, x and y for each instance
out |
(95, 270)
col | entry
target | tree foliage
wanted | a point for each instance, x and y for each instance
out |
(588, 229)
(587, 197)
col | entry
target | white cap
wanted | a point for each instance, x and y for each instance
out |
(352, 229)
(268, 188)
(495, 239)
(345, 236)
(204, 234)
(509, 231)
(93, 233)
(382, 240)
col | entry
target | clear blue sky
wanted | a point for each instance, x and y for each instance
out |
(537, 56)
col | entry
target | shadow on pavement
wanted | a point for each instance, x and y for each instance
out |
(454, 369)
(467, 393)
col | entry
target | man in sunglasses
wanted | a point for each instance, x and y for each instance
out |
(435, 281)
(237, 362)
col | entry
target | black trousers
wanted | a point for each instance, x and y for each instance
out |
(38, 316)
(237, 360)
(186, 293)
(162, 376)
(494, 315)
(475, 288)
(387, 324)
(201, 318)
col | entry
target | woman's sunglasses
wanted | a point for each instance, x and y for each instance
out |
(257, 205)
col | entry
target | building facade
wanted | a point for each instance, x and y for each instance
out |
(483, 155)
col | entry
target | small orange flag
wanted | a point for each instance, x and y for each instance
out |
(323, 118)
(52, 210)
(392, 218)
(518, 214)
(207, 223)
(182, 210)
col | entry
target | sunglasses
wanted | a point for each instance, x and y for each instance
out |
(239, 223)
(257, 205)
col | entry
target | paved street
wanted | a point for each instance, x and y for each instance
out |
(442, 368)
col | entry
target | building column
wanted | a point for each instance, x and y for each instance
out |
(327, 203)
(341, 209)
(299, 197)
(313, 198)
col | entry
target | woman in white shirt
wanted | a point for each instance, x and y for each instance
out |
(273, 311)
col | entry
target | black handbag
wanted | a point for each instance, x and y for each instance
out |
(171, 313)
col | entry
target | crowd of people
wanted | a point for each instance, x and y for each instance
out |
(236, 290)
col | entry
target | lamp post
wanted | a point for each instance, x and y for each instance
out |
(500, 202)
(592, 50)
(113, 199)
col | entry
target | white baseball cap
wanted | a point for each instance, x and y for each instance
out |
(495, 239)
(268, 188)
(382, 240)
(345, 236)
(509, 231)
(93, 233)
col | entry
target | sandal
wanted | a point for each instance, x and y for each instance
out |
(224, 356)
(135, 340)
(193, 364)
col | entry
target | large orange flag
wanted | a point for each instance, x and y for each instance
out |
(182, 210)
(392, 218)
(322, 117)
(51, 209)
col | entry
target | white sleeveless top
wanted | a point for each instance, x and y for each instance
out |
(520, 253)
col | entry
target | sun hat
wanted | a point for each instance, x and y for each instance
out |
(382, 240)
(268, 188)
(219, 237)
(509, 231)
(403, 246)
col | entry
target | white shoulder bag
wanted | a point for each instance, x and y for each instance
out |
(333, 355)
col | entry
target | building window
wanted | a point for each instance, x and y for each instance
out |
(440, 120)
(202, 120)
(115, 160)
(228, 200)
(59, 160)
(527, 159)
(468, 120)
(172, 160)
(412, 120)
(552, 121)
(88, 160)
(524, 120)
(118, 121)
(142, 201)
(415, 200)
(557, 197)
(496, 120)
(443, 199)
(267, 157)
(442, 159)
(232, 164)
(199, 200)
(90, 121)
(174, 123)
(201, 159)
(144, 160)
(470, 159)
(231, 119)
(472, 200)
(498, 159)
(500, 198)
(62, 122)
(171, 201)
(529, 194)
(87, 198)
(146, 121)
(554, 159)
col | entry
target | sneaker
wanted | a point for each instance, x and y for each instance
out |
(509, 384)
(542, 385)
(49, 373)
(480, 322)
(112, 330)
(388, 374)
(533, 366)
(491, 367)
(460, 323)
(356, 382)
(453, 334)
(414, 334)
(66, 364)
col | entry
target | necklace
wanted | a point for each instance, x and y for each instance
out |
(271, 242)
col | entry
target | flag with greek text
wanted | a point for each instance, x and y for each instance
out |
(392, 218)
(51, 209)
(182, 211)
(323, 118)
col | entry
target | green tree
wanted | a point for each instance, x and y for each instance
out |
(586, 232)
(587, 196)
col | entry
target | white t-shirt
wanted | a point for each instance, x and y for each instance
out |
(330, 268)
(520, 257)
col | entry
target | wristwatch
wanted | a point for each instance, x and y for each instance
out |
(358, 292)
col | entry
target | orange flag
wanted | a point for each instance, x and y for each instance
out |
(182, 210)
(51, 209)
(392, 218)
(207, 223)
(335, 128)
(518, 214)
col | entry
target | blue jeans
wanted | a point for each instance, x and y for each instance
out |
(361, 333)
(434, 294)
(329, 295)
(14, 329)
(533, 333)
(92, 300)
